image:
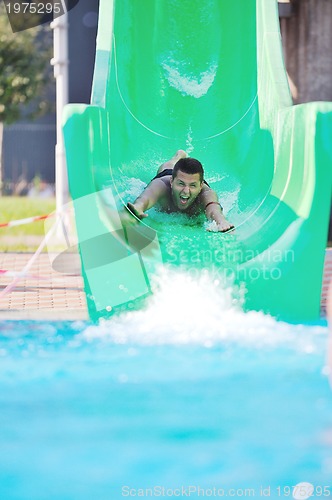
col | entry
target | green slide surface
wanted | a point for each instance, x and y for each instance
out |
(208, 77)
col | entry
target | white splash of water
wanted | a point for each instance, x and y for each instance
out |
(229, 199)
(188, 84)
(189, 142)
(186, 310)
(130, 187)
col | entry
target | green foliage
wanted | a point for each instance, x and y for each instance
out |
(24, 71)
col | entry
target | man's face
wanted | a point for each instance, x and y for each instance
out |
(185, 189)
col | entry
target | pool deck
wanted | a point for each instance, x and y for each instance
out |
(48, 295)
(44, 295)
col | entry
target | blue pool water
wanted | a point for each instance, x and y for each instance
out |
(186, 394)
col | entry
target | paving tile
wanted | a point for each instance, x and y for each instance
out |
(46, 294)
(44, 290)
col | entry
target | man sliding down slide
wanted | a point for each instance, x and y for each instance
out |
(179, 186)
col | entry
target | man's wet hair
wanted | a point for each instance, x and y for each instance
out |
(188, 166)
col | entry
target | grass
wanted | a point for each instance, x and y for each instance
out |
(27, 237)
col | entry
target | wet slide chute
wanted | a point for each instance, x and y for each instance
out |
(207, 77)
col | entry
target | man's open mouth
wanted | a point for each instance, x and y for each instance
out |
(183, 200)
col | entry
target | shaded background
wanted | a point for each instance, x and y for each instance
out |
(307, 41)
(29, 147)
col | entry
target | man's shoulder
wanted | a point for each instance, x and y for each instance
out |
(162, 183)
(161, 188)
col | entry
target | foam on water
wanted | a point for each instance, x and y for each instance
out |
(189, 142)
(200, 311)
(133, 187)
(188, 83)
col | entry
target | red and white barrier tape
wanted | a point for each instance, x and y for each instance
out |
(27, 267)
(24, 274)
(20, 274)
(28, 220)
(14, 274)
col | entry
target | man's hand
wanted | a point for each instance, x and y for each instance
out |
(222, 226)
(225, 226)
(214, 212)
(136, 210)
(130, 213)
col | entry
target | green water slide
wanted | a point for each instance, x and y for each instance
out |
(208, 77)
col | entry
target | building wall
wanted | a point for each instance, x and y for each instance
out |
(307, 42)
(83, 21)
(29, 148)
(27, 144)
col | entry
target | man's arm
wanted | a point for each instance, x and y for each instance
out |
(213, 209)
(153, 193)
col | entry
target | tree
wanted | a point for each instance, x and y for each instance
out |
(24, 74)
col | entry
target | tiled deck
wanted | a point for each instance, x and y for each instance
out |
(45, 294)
(50, 295)
(326, 279)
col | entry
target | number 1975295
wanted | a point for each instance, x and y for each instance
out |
(302, 491)
(34, 8)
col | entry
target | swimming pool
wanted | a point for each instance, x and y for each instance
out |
(193, 396)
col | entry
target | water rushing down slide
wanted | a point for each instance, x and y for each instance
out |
(207, 77)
